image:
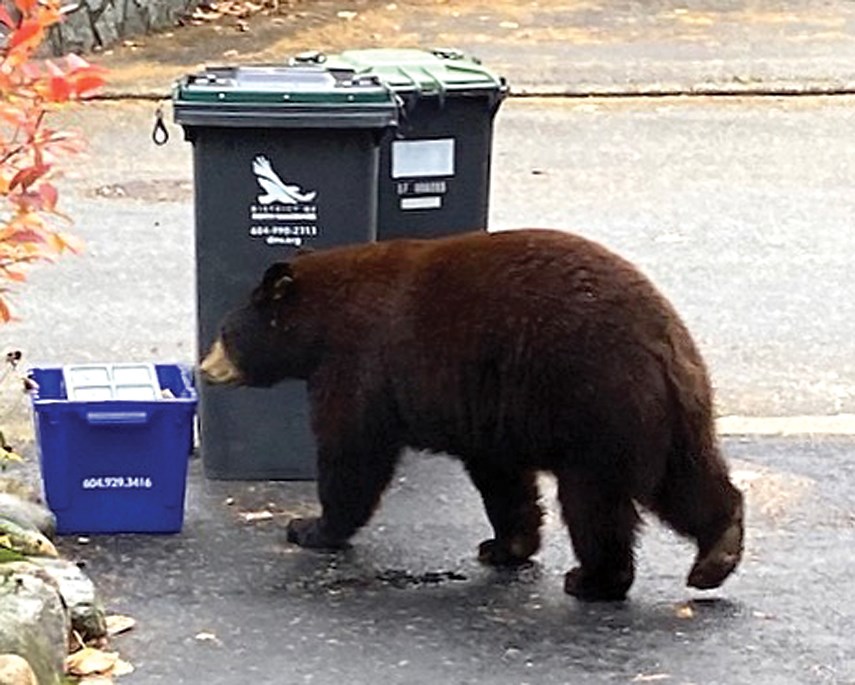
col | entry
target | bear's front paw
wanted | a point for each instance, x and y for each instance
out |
(499, 553)
(308, 532)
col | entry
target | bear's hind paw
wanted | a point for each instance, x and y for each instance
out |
(713, 568)
(589, 588)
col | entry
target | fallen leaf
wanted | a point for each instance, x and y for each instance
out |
(652, 678)
(208, 637)
(122, 667)
(509, 25)
(684, 611)
(253, 516)
(89, 661)
(201, 15)
(346, 14)
(97, 679)
(9, 455)
(118, 624)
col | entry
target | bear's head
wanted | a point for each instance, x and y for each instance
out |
(264, 341)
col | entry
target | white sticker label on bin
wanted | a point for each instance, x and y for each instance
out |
(422, 158)
(284, 213)
(431, 202)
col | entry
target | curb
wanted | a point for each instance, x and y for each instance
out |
(840, 425)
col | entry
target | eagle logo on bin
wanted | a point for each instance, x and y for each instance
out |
(275, 189)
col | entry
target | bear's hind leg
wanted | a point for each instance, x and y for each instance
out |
(510, 499)
(602, 521)
(698, 500)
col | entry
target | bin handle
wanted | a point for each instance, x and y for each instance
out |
(117, 418)
(308, 57)
(160, 134)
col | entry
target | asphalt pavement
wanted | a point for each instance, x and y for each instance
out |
(231, 602)
(738, 207)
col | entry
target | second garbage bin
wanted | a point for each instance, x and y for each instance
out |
(284, 157)
(435, 173)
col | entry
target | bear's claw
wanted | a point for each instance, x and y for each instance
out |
(308, 532)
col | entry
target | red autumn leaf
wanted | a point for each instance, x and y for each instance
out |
(30, 32)
(31, 71)
(14, 274)
(26, 7)
(85, 84)
(59, 89)
(76, 62)
(5, 314)
(49, 196)
(66, 242)
(29, 220)
(10, 115)
(26, 177)
(53, 69)
(27, 235)
(49, 15)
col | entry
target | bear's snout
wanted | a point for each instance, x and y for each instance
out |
(217, 368)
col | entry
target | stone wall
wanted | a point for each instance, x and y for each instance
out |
(96, 24)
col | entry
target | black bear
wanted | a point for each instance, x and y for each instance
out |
(517, 352)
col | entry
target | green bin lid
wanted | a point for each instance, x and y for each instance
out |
(302, 96)
(434, 72)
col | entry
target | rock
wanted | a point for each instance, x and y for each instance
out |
(25, 539)
(99, 23)
(13, 486)
(78, 592)
(27, 513)
(16, 670)
(33, 620)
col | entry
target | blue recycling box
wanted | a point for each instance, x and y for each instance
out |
(115, 465)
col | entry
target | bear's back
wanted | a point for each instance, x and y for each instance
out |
(543, 285)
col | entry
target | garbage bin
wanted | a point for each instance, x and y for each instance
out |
(284, 158)
(435, 174)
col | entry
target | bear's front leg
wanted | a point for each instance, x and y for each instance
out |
(309, 532)
(350, 483)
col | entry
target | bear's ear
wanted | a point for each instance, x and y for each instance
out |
(275, 283)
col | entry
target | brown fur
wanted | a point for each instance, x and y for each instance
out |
(517, 352)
